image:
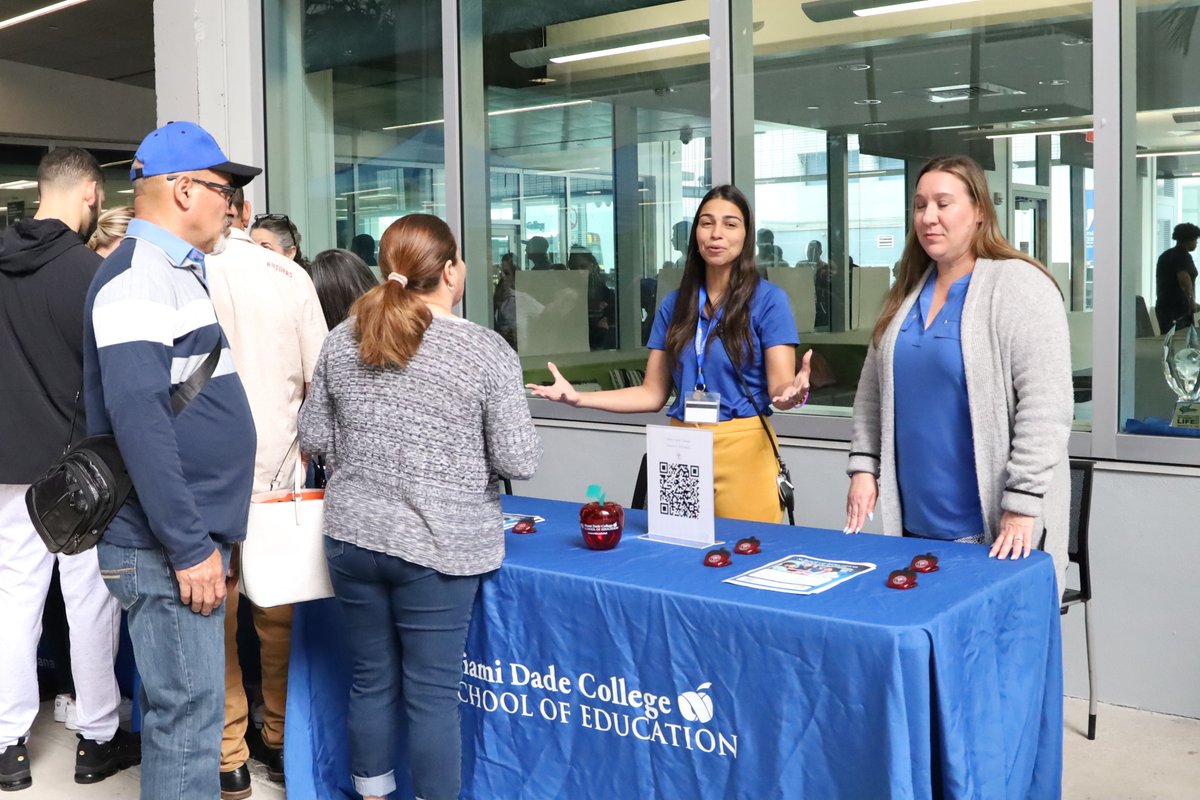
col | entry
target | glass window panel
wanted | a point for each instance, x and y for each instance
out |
(355, 137)
(596, 164)
(1159, 284)
(848, 109)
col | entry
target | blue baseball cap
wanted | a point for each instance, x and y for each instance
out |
(183, 147)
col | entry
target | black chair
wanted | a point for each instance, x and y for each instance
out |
(1077, 552)
(639, 487)
(507, 485)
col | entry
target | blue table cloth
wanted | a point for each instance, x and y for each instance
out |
(638, 673)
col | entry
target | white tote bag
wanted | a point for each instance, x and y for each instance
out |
(283, 557)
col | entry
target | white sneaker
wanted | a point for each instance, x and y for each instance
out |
(71, 721)
(60, 707)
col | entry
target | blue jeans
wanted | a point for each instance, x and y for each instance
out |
(407, 626)
(181, 659)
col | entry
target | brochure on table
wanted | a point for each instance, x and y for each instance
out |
(679, 486)
(512, 519)
(801, 574)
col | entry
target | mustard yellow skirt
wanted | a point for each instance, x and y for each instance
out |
(744, 470)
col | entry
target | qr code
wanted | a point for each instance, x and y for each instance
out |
(679, 489)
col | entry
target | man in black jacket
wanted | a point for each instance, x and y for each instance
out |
(45, 271)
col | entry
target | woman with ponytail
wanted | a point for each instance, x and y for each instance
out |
(726, 342)
(419, 412)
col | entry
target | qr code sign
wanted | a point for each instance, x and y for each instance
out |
(679, 490)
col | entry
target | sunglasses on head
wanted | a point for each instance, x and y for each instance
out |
(275, 218)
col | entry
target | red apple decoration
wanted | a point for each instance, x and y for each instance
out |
(902, 579)
(924, 563)
(601, 524)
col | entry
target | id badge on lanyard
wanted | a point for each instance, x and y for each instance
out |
(702, 406)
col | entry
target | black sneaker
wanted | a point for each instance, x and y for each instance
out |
(94, 761)
(14, 768)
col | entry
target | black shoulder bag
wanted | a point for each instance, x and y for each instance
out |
(73, 503)
(787, 491)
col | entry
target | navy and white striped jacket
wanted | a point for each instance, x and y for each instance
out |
(148, 325)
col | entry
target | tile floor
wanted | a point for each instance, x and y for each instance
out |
(1137, 755)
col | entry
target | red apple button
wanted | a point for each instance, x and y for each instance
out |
(902, 579)
(717, 558)
(924, 563)
(748, 546)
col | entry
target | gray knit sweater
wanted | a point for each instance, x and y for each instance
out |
(1017, 359)
(415, 451)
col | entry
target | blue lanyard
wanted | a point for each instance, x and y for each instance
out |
(702, 333)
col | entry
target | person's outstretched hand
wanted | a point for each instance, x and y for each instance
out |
(560, 391)
(796, 394)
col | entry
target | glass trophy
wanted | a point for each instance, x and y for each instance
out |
(1181, 368)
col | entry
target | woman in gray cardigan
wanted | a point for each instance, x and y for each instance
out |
(419, 412)
(965, 403)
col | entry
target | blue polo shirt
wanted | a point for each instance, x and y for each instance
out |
(148, 325)
(935, 452)
(771, 324)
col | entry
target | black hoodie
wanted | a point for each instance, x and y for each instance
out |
(45, 271)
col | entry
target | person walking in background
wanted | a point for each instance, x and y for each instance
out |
(725, 336)
(149, 325)
(45, 271)
(277, 233)
(965, 403)
(270, 312)
(339, 277)
(420, 411)
(1175, 276)
(110, 230)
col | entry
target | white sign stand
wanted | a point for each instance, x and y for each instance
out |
(679, 486)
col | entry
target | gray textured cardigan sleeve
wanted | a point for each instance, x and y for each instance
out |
(1033, 322)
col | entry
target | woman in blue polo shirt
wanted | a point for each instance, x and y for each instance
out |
(722, 320)
(965, 402)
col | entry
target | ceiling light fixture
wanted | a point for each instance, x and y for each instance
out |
(502, 112)
(629, 48)
(14, 185)
(1166, 153)
(1037, 132)
(830, 10)
(39, 12)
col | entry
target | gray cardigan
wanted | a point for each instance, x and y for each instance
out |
(1017, 359)
(415, 451)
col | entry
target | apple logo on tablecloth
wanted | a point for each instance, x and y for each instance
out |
(696, 706)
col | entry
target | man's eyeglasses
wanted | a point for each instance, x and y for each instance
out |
(225, 190)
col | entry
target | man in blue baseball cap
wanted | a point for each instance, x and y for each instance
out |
(150, 329)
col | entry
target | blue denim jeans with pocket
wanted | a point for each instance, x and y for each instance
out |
(181, 659)
(407, 626)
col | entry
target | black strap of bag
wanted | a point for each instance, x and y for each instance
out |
(787, 490)
(72, 504)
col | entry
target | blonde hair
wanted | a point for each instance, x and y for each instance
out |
(988, 241)
(110, 227)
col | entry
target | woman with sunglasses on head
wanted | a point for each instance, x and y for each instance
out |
(277, 232)
(727, 339)
(965, 402)
(419, 412)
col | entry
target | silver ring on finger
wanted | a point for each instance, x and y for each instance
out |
(1018, 540)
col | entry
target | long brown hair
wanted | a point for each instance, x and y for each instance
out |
(988, 241)
(390, 318)
(743, 280)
